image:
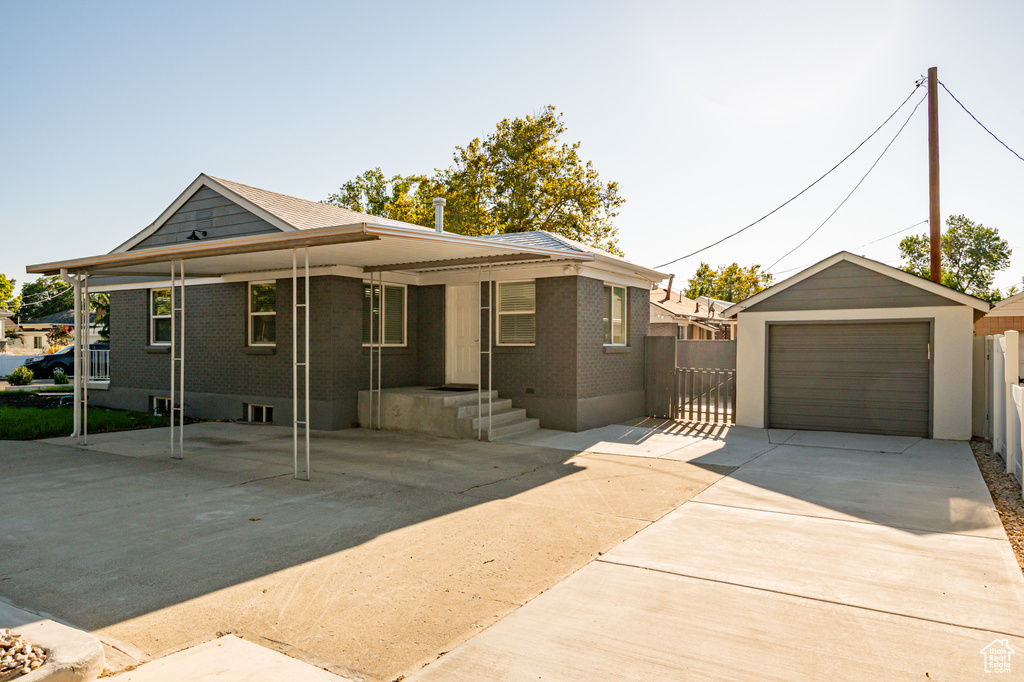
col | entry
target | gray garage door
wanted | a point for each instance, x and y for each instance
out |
(860, 377)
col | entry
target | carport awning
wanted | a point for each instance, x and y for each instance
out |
(364, 245)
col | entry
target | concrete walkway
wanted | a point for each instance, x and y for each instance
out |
(825, 556)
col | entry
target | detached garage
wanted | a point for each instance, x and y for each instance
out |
(854, 345)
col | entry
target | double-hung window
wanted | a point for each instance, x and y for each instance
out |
(388, 330)
(517, 313)
(616, 321)
(160, 317)
(262, 313)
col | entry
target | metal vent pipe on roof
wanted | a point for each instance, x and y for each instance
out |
(439, 203)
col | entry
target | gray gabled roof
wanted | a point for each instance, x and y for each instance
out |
(284, 212)
(304, 214)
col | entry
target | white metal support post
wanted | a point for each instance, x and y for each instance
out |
(490, 347)
(480, 383)
(380, 345)
(76, 282)
(177, 398)
(296, 363)
(83, 324)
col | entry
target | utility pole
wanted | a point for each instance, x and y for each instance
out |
(934, 219)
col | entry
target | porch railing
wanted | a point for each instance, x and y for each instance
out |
(99, 364)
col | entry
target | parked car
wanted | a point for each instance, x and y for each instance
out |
(63, 360)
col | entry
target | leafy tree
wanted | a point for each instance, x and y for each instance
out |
(396, 198)
(45, 296)
(971, 256)
(519, 178)
(8, 301)
(729, 282)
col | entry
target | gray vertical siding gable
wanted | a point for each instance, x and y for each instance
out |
(846, 286)
(207, 210)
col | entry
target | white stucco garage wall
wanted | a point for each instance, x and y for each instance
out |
(952, 364)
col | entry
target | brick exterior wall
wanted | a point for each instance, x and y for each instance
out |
(218, 359)
(601, 371)
(568, 365)
(991, 324)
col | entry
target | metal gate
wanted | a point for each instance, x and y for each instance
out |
(679, 389)
(705, 395)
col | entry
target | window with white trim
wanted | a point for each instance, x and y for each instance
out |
(616, 321)
(262, 313)
(160, 317)
(261, 414)
(393, 309)
(159, 407)
(517, 313)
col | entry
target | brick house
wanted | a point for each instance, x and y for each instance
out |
(394, 310)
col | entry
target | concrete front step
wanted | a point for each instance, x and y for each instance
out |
(500, 405)
(511, 429)
(467, 398)
(452, 415)
(500, 417)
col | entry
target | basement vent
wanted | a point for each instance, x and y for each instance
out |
(204, 219)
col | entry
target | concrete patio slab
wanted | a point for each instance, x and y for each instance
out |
(956, 579)
(616, 439)
(400, 548)
(231, 659)
(807, 562)
(910, 506)
(715, 445)
(850, 441)
(625, 623)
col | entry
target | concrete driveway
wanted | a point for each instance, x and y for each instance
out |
(832, 556)
(401, 547)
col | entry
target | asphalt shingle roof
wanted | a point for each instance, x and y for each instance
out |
(303, 214)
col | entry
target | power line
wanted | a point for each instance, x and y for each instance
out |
(881, 239)
(795, 196)
(979, 122)
(836, 210)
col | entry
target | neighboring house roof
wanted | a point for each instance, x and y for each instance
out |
(65, 317)
(926, 285)
(1009, 307)
(680, 306)
(287, 213)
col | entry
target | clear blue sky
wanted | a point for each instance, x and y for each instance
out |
(707, 114)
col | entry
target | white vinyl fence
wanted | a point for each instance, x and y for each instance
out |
(1005, 399)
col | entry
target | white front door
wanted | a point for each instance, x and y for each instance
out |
(462, 337)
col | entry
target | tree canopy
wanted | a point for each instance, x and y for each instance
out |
(971, 256)
(45, 296)
(8, 301)
(731, 283)
(518, 179)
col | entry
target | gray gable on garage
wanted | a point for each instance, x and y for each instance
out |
(208, 211)
(846, 285)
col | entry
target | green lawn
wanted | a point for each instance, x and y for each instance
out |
(30, 423)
